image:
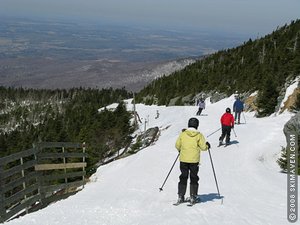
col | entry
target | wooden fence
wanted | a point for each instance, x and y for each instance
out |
(32, 179)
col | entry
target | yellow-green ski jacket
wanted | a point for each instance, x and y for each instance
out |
(189, 144)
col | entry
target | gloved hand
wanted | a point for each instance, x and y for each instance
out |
(232, 127)
(208, 145)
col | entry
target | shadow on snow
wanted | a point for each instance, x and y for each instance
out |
(209, 197)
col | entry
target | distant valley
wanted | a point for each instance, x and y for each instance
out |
(51, 54)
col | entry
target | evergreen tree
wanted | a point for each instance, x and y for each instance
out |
(267, 98)
(282, 161)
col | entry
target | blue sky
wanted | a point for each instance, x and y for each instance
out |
(244, 16)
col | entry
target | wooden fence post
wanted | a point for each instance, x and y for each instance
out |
(38, 173)
(83, 160)
(2, 197)
(64, 161)
(37, 180)
(24, 184)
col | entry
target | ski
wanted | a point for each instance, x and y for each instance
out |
(190, 204)
(196, 202)
(187, 200)
(227, 144)
(202, 115)
(179, 203)
(224, 145)
(220, 144)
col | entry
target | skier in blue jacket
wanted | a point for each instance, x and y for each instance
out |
(238, 107)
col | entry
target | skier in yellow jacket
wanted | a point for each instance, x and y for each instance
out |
(189, 144)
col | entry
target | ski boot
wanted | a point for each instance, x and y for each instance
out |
(180, 199)
(193, 200)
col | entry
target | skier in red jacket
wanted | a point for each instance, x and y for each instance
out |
(227, 122)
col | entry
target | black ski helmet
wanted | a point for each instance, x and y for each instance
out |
(228, 110)
(193, 122)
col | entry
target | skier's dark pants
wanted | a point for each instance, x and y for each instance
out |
(237, 116)
(225, 132)
(199, 111)
(186, 170)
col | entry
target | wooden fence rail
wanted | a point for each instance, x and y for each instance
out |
(32, 179)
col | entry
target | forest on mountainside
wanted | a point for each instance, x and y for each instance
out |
(28, 116)
(262, 65)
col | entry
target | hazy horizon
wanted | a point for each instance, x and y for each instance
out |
(252, 18)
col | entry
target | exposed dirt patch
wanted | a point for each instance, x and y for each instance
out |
(290, 102)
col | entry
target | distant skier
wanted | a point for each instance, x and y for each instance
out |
(227, 122)
(189, 144)
(238, 108)
(201, 105)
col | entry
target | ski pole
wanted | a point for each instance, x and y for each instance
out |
(213, 132)
(244, 117)
(214, 172)
(161, 188)
(234, 132)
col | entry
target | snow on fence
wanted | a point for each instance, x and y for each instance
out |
(32, 179)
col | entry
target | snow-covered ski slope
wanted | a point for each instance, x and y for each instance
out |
(126, 191)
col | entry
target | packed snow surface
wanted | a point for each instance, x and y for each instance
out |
(126, 191)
